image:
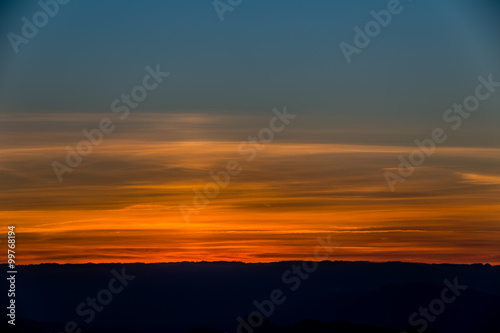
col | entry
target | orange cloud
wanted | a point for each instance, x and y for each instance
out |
(121, 203)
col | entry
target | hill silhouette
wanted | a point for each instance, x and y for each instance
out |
(209, 297)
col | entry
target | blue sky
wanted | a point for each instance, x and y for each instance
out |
(263, 54)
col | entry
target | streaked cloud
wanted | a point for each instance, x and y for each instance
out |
(121, 203)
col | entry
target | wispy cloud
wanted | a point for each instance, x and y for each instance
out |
(122, 201)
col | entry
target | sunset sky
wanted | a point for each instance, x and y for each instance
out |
(322, 175)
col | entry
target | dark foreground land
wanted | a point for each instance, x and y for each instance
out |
(288, 297)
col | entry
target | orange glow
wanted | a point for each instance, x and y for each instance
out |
(121, 204)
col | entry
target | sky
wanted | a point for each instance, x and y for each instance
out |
(322, 174)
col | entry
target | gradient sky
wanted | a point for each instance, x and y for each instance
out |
(324, 174)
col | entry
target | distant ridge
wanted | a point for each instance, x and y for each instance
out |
(184, 296)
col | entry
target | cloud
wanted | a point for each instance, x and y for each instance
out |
(480, 179)
(122, 201)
